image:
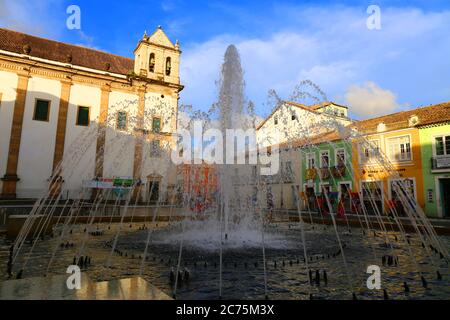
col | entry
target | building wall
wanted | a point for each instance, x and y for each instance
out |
(376, 172)
(81, 141)
(38, 139)
(334, 182)
(284, 189)
(119, 145)
(433, 208)
(8, 84)
(305, 124)
(37, 148)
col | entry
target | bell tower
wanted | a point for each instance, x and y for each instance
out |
(157, 58)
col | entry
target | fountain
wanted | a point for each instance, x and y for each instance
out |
(227, 241)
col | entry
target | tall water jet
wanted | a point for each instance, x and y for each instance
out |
(231, 116)
(231, 92)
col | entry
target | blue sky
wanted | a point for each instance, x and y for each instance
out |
(406, 64)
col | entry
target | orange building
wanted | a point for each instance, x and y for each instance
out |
(199, 183)
(396, 138)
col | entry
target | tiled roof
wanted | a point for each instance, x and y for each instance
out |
(311, 108)
(326, 104)
(426, 115)
(21, 43)
(329, 136)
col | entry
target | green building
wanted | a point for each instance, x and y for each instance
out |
(435, 150)
(326, 165)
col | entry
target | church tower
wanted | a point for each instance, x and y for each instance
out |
(157, 58)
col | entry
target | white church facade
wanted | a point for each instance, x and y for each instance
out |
(71, 116)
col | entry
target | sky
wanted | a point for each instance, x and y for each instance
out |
(405, 64)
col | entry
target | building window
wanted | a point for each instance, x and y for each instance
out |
(310, 160)
(83, 116)
(287, 171)
(275, 120)
(442, 145)
(325, 188)
(293, 117)
(155, 149)
(254, 171)
(369, 151)
(41, 110)
(152, 62)
(122, 120)
(399, 148)
(340, 157)
(325, 159)
(406, 186)
(372, 190)
(168, 66)
(156, 125)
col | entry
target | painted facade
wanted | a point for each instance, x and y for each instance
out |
(327, 165)
(435, 150)
(60, 102)
(293, 121)
(374, 180)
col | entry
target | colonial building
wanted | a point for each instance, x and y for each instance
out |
(326, 167)
(292, 126)
(84, 115)
(434, 132)
(292, 121)
(397, 137)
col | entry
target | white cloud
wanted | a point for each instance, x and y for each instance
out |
(34, 17)
(369, 100)
(334, 53)
(44, 18)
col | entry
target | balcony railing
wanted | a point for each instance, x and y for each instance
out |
(441, 162)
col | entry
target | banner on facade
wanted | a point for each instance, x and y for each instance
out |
(442, 163)
(109, 183)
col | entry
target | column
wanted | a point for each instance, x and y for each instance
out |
(138, 149)
(10, 178)
(100, 150)
(60, 139)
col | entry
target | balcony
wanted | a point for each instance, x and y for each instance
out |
(440, 163)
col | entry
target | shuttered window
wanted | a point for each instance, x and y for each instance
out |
(83, 116)
(41, 110)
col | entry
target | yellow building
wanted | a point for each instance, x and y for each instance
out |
(396, 138)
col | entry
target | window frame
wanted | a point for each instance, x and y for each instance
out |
(168, 72)
(308, 157)
(390, 189)
(381, 189)
(48, 112)
(78, 113)
(443, 135)
(160, 124)
(152, 149)
(410, 148)
(336, 151)
(324, 185)
(322, 152)
(151, 67)
(126, 121)
(370, 159)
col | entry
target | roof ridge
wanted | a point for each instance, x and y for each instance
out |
(66, 43)
(406, 111)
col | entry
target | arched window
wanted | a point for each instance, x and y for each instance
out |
(168, 66)
(151, 65)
